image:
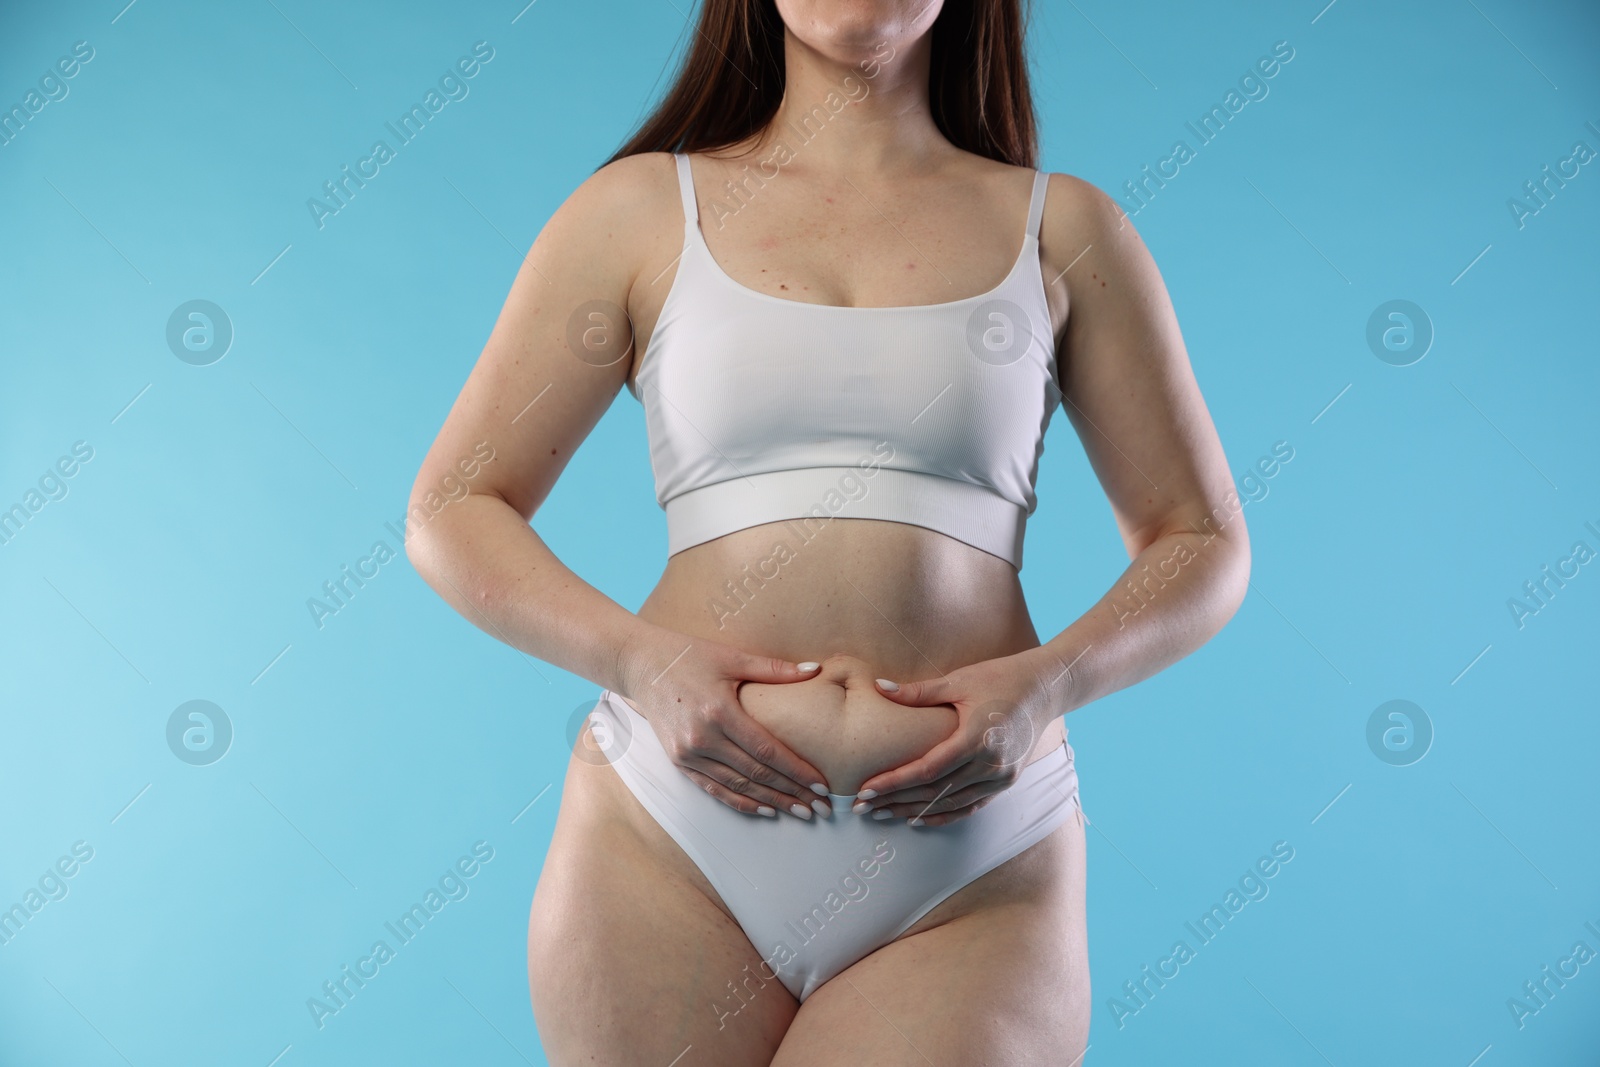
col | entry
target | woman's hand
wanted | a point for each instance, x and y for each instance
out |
(1002, 705)
(688, 688)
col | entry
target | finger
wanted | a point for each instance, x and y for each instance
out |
(964, 778)
(923, 694)
(737, 801)
(922, 796)
(733, 781)
(738, 770)
(970, 779)
(977, 769)
(774, 670)
(947, 817)
(781, 767)
(938, 762)
(947, 808)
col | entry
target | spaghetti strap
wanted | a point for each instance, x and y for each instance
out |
(1041, 180)
(691, 209)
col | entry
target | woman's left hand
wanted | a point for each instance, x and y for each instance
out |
(1002, 706)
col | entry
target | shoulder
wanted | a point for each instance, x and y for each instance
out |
(632, 181)
(1084, 227)
(1073, 208)
(1077, 208)
(631, 189)
(616, 218)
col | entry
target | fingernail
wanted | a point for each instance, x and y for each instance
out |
(883, 813)
(860, 807)
(823, 808)
(914, 822)
(800, 811)
(819, 789)
(808, 666)
(893, 687)
(770, 812)
(866, 794)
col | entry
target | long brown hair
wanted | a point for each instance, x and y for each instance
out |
(731, 82)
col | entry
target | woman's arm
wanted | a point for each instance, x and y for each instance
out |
(533, 401)
(559, 353)
(1130, 393)
(1128, 390)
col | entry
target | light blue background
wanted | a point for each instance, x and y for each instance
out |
(378, 749)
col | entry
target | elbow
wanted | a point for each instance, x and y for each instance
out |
(1233, 577)
(416, 556)
(420, 538)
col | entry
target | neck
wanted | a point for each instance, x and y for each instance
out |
(863, 112)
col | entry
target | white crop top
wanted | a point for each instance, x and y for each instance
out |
(760, 409)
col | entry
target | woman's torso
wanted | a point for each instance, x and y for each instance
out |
(882, 599)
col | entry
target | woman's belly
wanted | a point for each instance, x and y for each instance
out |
(866, 598)
(911, 602)
(843, 725)
(848, 730)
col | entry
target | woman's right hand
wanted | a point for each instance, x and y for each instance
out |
(688, 689)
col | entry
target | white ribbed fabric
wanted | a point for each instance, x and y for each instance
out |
(760, 409)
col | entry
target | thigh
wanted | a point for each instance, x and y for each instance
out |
(629, 959)
(998, 974)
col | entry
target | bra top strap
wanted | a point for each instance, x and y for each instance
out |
(691, 209)
(1041, 179)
